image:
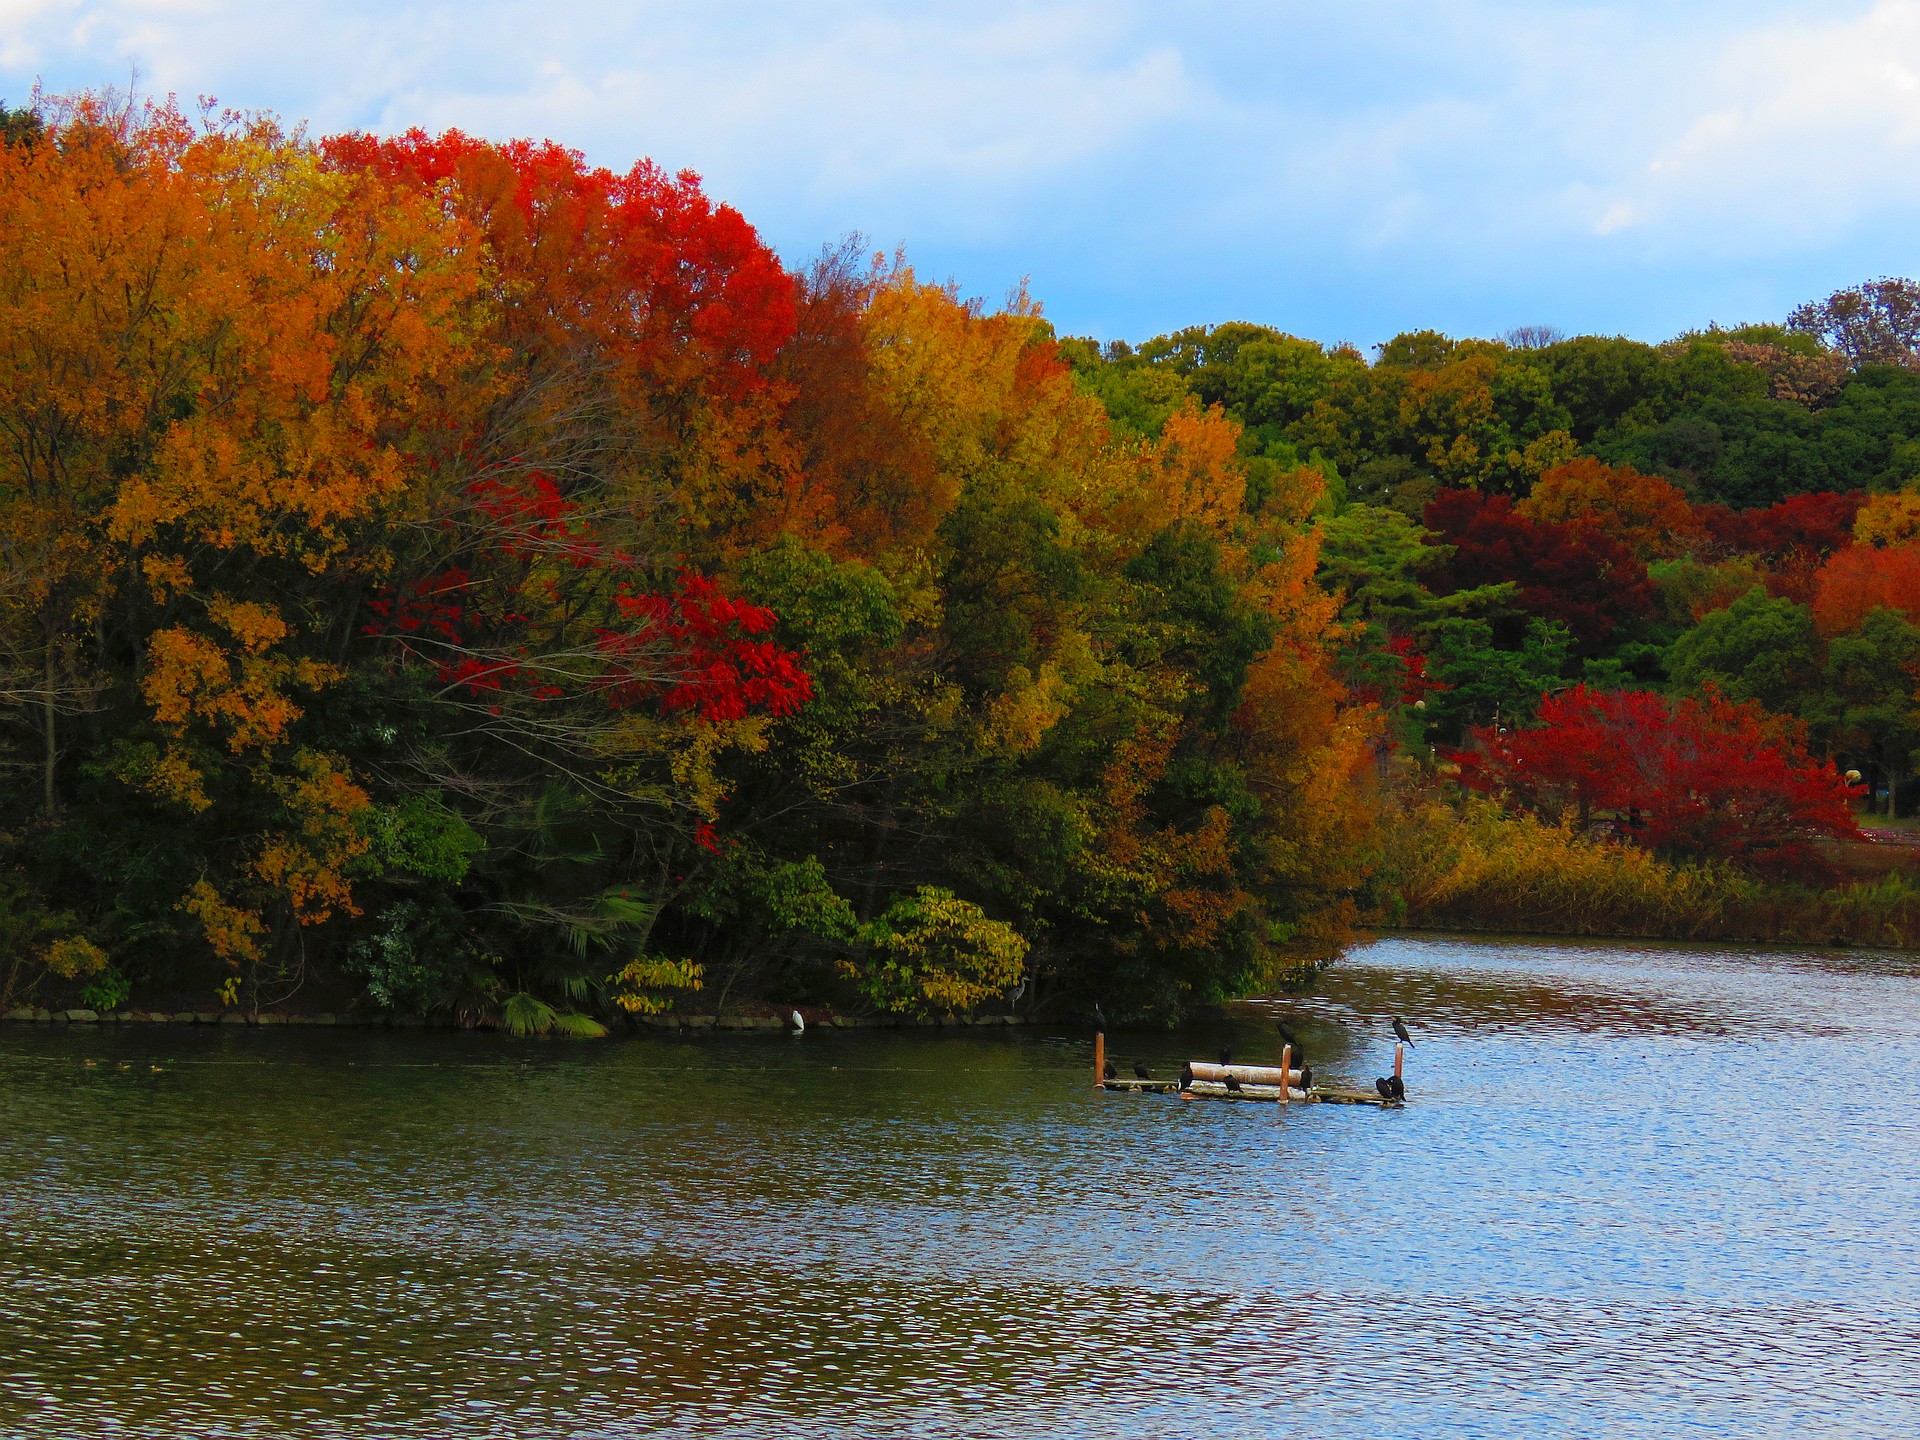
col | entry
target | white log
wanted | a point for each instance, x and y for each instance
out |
(1245, 1074)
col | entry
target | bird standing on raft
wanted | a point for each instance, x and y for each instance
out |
(1141, 1072)
(1233, 1086)
(1299, 1050)
(1400, 1030)
(1107, 1072)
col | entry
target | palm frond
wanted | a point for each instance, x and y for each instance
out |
(525, 1014)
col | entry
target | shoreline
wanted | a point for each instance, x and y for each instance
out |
(1459, 931)
(768, 1024)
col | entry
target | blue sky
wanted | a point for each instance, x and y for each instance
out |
(1343, 170)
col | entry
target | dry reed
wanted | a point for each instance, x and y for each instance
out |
(1471, 866)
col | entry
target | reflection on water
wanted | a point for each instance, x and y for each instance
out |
(1638, 1192)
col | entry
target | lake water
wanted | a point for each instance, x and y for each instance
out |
(1637, 1192)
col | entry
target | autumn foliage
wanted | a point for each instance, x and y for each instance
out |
(1577, 575)
(1644, 513)
(445, 575)
(1699, 777)
(1859, 580)
(450, 573)
(1806, 524)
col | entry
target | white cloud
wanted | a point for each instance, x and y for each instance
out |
(1802, 127)
(953, 111)
(1242, 157)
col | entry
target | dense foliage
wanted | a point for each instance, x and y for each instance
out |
(453, 574)
(447, 576)
(1737, 508)
(1702, 777)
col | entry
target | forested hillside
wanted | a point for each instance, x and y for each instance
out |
(1735, 508)
(451, 578)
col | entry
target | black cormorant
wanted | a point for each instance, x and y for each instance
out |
(1233, 1085)
(1141, 1072)
(1400, 1029)
(1385, 1086)
(1099, 1018)
(1299, 1050)
(1107, 1072)
(1306, 1077)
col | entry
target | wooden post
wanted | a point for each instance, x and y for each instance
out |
(1286, 1072)
(1099, 1058)
(1399, 1059)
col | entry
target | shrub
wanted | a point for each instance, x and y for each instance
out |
(933, 952)
(1477, 867)
(420, 960)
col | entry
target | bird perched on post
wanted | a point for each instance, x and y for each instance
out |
(799, 1023)
(1293, 1042)
(1107, 1072)
(1141, 1072)
(1400, 1029)
(1099, 1018)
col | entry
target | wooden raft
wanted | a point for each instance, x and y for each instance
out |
(1271, 1084)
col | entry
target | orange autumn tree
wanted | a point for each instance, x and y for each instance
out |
(252, 410)
(1855, 582)
(1645, 513)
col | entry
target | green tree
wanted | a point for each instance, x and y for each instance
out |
(1758, 648)
(1867, 699)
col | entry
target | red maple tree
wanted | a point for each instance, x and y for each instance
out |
(1863, 578)
(1814, 524)
(640, 270)
(1698, 777)
(1587, 580)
